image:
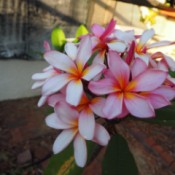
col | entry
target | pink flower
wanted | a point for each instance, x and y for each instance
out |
(125, 87)
(103, 40)
(87, 108)
(142, 47)
(66, 118)
(74, 70)
(164, 63)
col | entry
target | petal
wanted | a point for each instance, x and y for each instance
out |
(147, 34)
(124, 112)
(54, 99)
(55, 83)
(80, 151)
(113, 105)
(170, 62)
(86, 124)
(93, 70)
(42, 101)
(97, 104)
(101, 136)
(48, 68)
(63, 140)
(109, 29)
(119, 68)
(46, 46)
(102, 87)
(166, 92)
(127, 36)
(157, 101)
(94, 41)
(60, 61)
(38, 84)
(74, 92)
(99, 58)
(43, 76)
(138, 67)
(54, 121)
(130, 54)
(71, 50)
(118, 46)
(138, 105)
(97, 30)
(147, 81)
(67, 114)
(159, 44)
(84, 52)
(143, 57)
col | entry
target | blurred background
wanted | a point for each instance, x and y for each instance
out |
(24, 25)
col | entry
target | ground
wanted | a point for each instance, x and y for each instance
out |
(26, 142)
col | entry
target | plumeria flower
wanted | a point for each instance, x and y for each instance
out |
(126, 36)
(87, 108)
(126, 86)
(74, 70)
(66, 118)
(102, 40)
(41, 78)
(142, 46)
(165, 63)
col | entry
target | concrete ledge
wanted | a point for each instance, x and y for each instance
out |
(15, 78)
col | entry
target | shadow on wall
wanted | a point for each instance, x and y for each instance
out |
(25, 24)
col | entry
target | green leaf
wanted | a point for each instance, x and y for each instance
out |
(118, 159)
(165, 116)
(58, 39)
(171, 73)
(64, 163)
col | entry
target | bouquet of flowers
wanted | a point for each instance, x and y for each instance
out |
(107, 74)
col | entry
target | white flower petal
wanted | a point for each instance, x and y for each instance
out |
(60, 61)
(74, 92)
(118, 46)
(159, 44)
(93, 70)
(71, 50)
(143, 57)
(84, 51)
(38, 84)
(80, 151)
(43, 75)
(87, 124)
(54, 99)
(147, 34)
(97, 104)
(54, 121)
(67, 113)
(55, 83)
(42, 101)
(63, 140)
(101, 136)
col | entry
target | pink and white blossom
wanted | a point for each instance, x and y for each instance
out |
(74, 70)
(66, 118)
(124, 91)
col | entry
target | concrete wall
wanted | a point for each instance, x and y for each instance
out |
(25, 24)
(15, 78)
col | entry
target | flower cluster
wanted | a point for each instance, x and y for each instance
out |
(109, 73)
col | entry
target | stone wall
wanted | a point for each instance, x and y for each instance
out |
(25, 24)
